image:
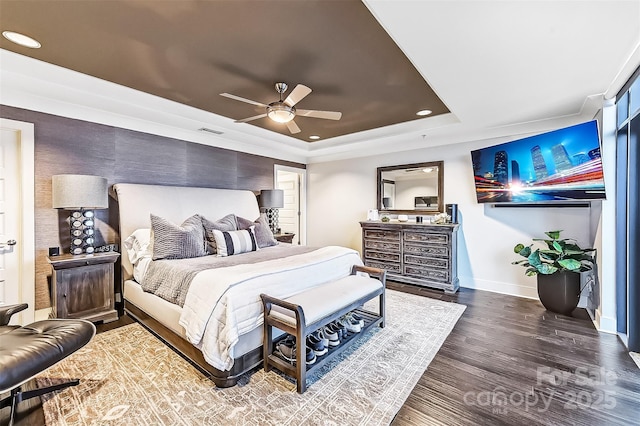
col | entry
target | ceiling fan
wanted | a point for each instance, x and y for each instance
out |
(283, 111)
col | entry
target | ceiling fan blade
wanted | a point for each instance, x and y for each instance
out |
(255, 117)
(293, 127)
(297, 94)
(238, 98)
(329, 115)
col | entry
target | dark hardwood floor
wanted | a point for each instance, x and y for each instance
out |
(507, 361)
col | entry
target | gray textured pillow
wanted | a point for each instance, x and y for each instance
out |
(264, 236)
(171, 241)
(227, 223)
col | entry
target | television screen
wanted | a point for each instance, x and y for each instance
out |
(562, 165)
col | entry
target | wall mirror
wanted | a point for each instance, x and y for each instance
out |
(411, 188)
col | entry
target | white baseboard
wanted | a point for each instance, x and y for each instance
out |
(499, 287)
(605, 324)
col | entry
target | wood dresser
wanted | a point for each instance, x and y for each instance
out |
(414, 253)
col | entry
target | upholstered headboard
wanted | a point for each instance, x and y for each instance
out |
(176, 203)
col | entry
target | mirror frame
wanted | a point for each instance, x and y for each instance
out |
(439, 164)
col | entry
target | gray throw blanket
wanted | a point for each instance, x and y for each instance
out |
(170, 279)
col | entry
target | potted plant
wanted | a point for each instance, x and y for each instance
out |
(557, 265)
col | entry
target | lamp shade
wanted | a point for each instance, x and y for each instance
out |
(76, 192)
(272, 198)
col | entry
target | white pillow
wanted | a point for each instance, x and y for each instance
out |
(138, 245)
(229, 243)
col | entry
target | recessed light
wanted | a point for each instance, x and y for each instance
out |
(21, 39)
(314, 137)
(424, 112)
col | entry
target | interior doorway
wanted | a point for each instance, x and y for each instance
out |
(292, 217)
(17, 240)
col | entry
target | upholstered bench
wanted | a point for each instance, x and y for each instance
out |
(308, 311)
(29, 350)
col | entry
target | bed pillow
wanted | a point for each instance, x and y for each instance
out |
(264, 236)
(138, 245)
(229, 243)
(171, 241)
(227, 223)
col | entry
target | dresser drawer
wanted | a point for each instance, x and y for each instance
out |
(427, 250)
(427, 273)
(382, 246)
(425, 237)
(379, 255)
(380, 234)
(387, 266)
(428, 262)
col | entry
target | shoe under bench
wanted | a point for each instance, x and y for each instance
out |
(312, 309)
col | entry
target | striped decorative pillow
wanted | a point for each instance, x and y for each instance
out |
(235, 242)
(227, 223)
(171, 241)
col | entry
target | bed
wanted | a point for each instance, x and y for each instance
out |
(214, 317)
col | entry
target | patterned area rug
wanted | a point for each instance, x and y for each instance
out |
(128, 377)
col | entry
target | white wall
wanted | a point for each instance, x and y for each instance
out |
(341, 192)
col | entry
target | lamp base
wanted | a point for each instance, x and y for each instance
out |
(81, 224)
(272, 218)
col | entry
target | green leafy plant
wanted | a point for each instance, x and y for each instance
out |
(559, 255)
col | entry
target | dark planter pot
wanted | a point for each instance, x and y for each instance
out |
(559, 292)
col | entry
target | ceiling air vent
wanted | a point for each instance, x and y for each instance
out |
(215, 132)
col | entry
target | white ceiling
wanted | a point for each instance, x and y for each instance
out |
(502, 68)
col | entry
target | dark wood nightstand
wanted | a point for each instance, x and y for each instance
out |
(83, 286)
(285, 237)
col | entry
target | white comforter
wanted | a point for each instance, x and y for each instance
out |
(224, 303)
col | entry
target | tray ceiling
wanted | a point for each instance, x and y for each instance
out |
(191, 51)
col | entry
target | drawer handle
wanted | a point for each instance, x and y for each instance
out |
(64, 295)
(86, 262)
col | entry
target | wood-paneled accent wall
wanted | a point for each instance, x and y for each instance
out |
(64, 145)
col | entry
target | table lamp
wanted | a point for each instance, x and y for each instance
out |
(270, 201)
(81, 194)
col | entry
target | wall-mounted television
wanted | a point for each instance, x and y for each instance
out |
(561, 165)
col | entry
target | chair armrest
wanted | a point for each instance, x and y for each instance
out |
(8, 310)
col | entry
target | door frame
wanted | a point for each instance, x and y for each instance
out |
(26, 240)
(302, 238)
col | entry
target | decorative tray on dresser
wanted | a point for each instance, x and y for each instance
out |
(414, 253)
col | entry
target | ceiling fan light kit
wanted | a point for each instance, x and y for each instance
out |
(284, 111)
(280, 113)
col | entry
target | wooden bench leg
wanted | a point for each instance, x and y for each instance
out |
(382, 309)
(301, 357)
(267, 341)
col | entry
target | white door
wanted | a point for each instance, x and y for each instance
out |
(289, 215)
(17, 270)
(292, 218)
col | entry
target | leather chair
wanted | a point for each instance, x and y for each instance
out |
(27, 351)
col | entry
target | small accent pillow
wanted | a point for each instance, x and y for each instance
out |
(227, 223)
(138, 245)
(264, 236)
(235, 242)
(171, 241)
